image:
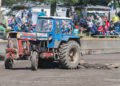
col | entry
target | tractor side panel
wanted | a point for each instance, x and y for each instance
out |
(23, 51)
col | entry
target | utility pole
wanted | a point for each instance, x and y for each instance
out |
(115, 4)
(0, 11)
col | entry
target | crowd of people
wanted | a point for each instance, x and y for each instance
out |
(92, 25)
(23, 21)
(99, 26)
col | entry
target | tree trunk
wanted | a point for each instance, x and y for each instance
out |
(53, 8)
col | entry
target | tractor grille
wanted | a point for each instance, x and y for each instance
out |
(13, 43)
(43, 46)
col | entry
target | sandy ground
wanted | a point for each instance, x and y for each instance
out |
(22, 75)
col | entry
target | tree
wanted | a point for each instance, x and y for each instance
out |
(52, 2)
(116, 3)
(68, 2)
(10, 2)
(93, 2)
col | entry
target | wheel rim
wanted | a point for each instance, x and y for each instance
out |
(73, 54)
(36, 63)
(8, 63)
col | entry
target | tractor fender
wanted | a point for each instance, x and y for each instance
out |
(58, 42)
(77, 40)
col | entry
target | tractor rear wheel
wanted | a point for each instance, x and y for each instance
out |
(69, 55)
(34, 60)
(8, 63)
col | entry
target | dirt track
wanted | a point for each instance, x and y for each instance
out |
(21, 75)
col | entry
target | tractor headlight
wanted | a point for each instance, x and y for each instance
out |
(18, 35)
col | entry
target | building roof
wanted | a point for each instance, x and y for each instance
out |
(54, 17)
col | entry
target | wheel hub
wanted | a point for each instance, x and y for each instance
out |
(72, 54)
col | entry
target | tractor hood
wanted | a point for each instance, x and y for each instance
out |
(42, 36)
(28, 36)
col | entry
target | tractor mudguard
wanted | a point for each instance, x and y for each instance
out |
(58, 42)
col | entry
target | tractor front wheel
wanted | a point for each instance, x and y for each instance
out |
(69, 55)
(8, 63)
(34, 60)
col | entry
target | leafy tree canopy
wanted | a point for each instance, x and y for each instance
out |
(69, 2)
(53, 3)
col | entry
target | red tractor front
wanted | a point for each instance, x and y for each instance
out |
(18, 48)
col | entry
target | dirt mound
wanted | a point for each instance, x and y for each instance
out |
(98, 66)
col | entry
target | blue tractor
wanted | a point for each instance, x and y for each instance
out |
(53, 38)
(56, 38)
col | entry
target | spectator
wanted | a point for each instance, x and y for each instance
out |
(10, 20)
(76, 26)
(83, 22)
(99, 21)
(24, 12)
(14, 26)
(18, 20)
(45, 13)
(75, 18)
(68, 13)
(29, 15)
(115, 20)
(102, 28)
(90, 25)
(2, 28)
(108, 23)
(94, 30)
(42, 13)
(92, 18)
(102, 22)
(25, 19)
